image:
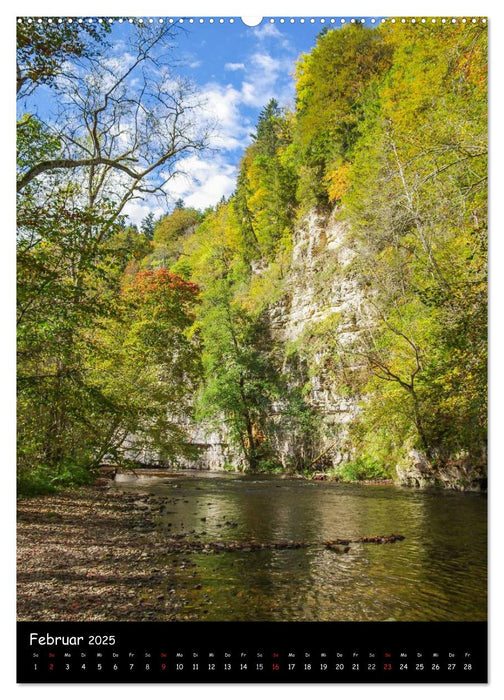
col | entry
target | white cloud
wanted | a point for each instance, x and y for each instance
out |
(267, 77)
(113, 67)
(267, 31)
(264, 61)
(221, 109)
(234, 66)
(202, 181)
(136, 211)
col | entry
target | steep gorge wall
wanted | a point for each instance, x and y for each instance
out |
(317, 287)
(321, 286)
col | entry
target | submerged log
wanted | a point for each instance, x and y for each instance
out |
(381, 539)
(341, 546)
(373, 539)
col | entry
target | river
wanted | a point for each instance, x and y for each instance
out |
(438, 572)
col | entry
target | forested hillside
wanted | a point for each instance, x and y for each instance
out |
(366, 203)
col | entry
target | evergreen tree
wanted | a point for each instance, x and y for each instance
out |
(147, 226)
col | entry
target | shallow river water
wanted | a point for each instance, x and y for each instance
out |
(437, 573)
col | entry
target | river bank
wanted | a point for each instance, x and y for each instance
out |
(418, 475)
(207, 546)
(94, 554)
(91, 554)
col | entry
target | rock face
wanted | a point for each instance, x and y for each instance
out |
(460, 474)
(315, 290)
(319, 310)
(319, 293)
(209, 446)
(214, 449)
(316, 286)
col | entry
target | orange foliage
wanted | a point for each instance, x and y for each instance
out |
(165, 288)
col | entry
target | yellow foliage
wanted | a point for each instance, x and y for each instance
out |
(337, 181)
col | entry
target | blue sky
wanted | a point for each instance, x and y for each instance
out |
(235, 70)
(238, 69)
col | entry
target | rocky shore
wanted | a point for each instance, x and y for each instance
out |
(95, 554)
(92, 555)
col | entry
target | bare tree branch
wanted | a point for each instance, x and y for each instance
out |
(123, 124)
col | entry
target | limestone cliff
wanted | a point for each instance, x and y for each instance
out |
(315, 289)
(318, 311)
(319, 290)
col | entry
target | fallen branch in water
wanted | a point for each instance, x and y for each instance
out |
(381, 539)
(375, 539)
(178, 543)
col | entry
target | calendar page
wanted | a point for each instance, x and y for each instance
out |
(252, 349)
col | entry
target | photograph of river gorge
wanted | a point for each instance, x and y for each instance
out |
(252, 319)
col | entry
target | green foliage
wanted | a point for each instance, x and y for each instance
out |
(268, 466)
(334, 82)
(148, 225)
(42, 49)
(148, 367)
(45, 479)
(170, 228)
(104, 354)
(168, 236)
(128, 246)
(229, 467)
(33, 142)
(265, 193)
(361, 470)
(124, 333)
(416, 204)
(64, 286)
(240, 379)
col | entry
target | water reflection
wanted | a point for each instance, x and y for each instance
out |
(437, 573)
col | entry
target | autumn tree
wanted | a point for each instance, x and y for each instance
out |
(147, 369)
(116, 133)
(42, 48)
(333, 85)
(416, 204)
(169, 235)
